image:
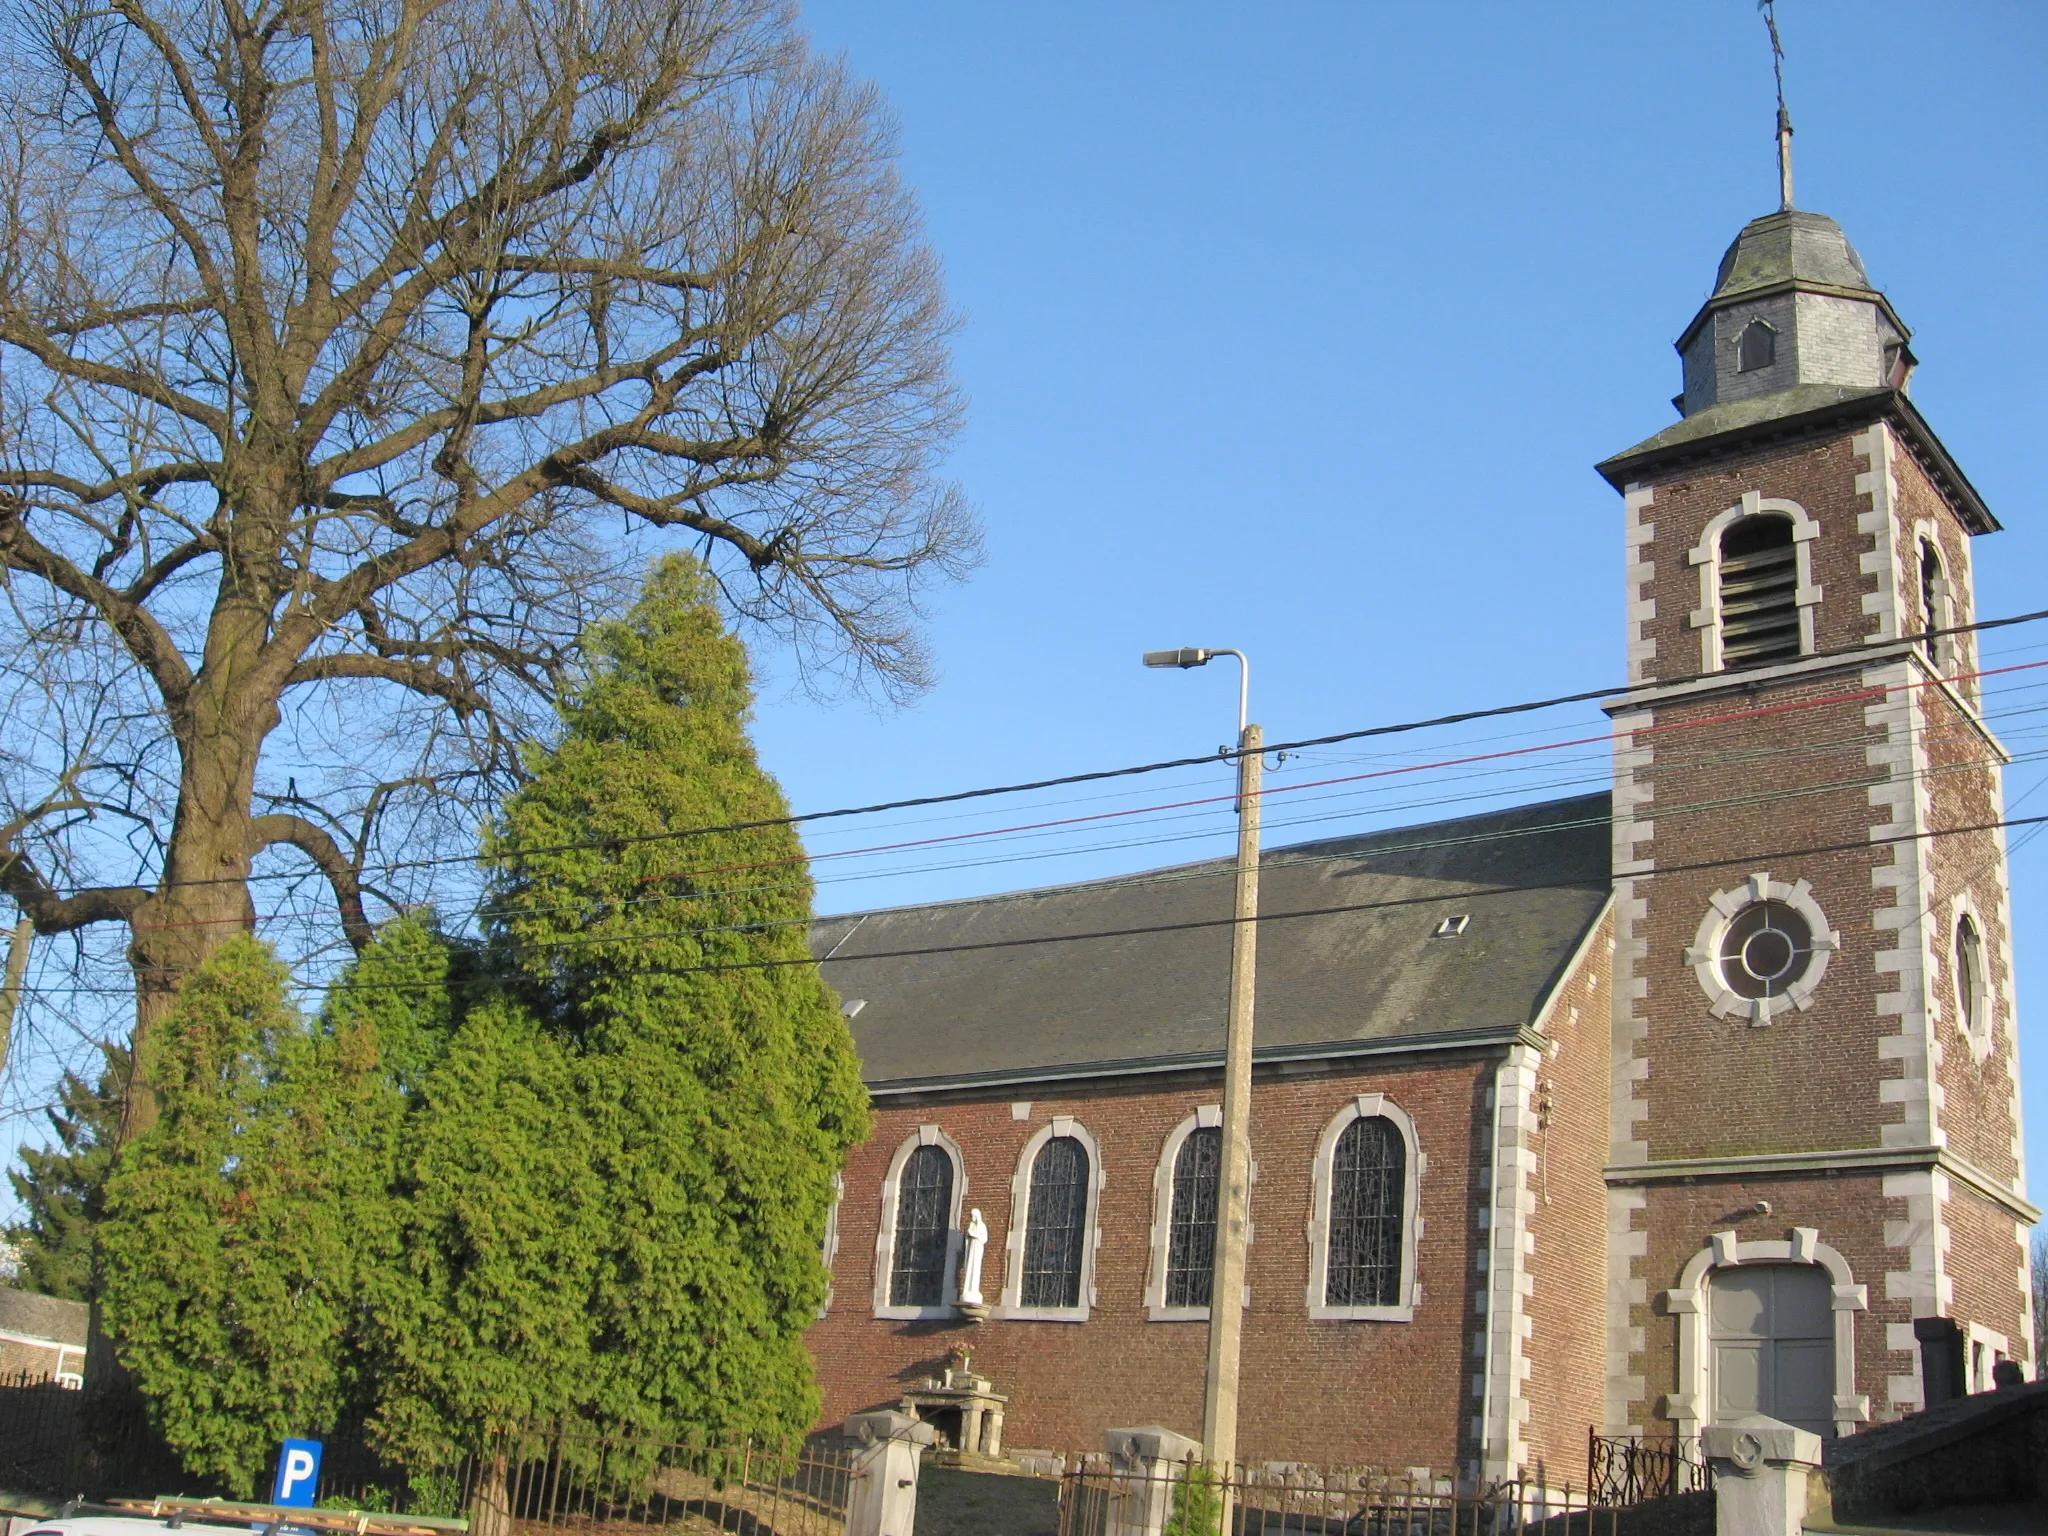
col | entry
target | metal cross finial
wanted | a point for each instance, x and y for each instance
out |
(1769, 8)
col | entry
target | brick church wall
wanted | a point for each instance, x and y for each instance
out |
(1385, 1394)
(1566, 1348)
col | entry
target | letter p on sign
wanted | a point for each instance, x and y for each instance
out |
(298, 1474)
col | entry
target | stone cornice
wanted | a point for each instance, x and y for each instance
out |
(1852, 1160)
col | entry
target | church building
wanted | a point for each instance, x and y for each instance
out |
(1581, 1115)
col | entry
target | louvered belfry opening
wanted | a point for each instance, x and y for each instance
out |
(1759, 592)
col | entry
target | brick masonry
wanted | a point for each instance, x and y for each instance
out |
(1364, 1393)
(1832, 775)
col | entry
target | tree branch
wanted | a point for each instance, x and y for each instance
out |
(278, 829)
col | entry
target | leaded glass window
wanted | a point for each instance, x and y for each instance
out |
(924, 1221)
(1191, 1231)
(1056, 1225)
(1368, 1175)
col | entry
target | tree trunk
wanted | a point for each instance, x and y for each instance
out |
(490, 1512)
(203, 899)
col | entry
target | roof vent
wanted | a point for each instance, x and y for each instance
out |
(852, 1006)
(1452, 926)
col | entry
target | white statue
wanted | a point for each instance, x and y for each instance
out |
(970, 1259)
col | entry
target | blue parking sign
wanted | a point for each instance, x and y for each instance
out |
(298, 1474)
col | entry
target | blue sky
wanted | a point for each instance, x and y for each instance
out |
(1299, 328)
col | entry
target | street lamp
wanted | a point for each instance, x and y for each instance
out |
(1226, 1289)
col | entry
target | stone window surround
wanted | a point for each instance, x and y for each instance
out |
(1705, 954)
(1982, 1039)
(1687, 1304)
(1208, 1116)
(1707, 556)
(1011, 1307)
(885, 1238)
(1365, 1106)
(828, 1250)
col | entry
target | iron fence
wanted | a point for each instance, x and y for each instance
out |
(536, 1482)
(1100, 1497)
(1633, 1469)
(57, 1443)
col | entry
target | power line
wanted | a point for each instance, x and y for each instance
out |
(1865, 647)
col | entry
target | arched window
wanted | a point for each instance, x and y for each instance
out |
(1191, 1229)
(924, 1229)
(1758, 347)
(1972, 1007)
(1759, 571)
(1056, 1225)
(1368, 1178)
(1933, 602)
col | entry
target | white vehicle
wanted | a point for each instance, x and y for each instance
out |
(219, 1517)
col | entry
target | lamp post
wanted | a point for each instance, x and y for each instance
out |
(1226, 1290)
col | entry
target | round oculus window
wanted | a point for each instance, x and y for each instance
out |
(1765, 950)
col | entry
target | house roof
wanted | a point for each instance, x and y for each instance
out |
(1129, 975)
(43, 1317)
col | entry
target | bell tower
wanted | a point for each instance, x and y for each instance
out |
(1815, 1170)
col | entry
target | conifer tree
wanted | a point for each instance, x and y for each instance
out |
(62, 1189)
(621, 1184)
(244, 1229)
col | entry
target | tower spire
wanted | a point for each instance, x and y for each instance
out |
(1769, 8)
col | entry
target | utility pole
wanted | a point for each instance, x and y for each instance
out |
(1233, 1216)
(1233, 1212)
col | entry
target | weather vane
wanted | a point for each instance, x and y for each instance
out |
(1769, 8)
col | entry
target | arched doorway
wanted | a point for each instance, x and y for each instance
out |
(1771, 1331)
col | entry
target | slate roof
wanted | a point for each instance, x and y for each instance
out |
(1130, 975)
(43, 1317)
(1738, 425)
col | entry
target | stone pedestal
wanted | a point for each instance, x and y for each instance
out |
(1147, 1466)
(883, 1500)
(965, 1411)
(1760, 1471)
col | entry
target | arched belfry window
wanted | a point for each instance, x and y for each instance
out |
(1056, 1225)
(1757, 347)
(1934, 613)
(924, 1229)
(1759, 596)
(1191, 1230)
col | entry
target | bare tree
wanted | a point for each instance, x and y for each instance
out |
(343, 350)
(2039, 1277)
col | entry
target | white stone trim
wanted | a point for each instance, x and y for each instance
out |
(1995, 1346)
(1981, 1039)
(828, 1250)
(885, 1236)
(1687, 1303)
(1707, 556)
(1156, 1309)
(1906, 799)
(2023, 1238)
(1881, 484)
(1504, 1259)
(1012, 1307)
(1639, 578)
(1365, 1106)
(1626, 1387)
(1924, 1284)
(1723, 907)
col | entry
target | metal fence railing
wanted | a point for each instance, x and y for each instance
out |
(1632, 1469)
(57, 1444)
(1100, 1498)
(581, 1483)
